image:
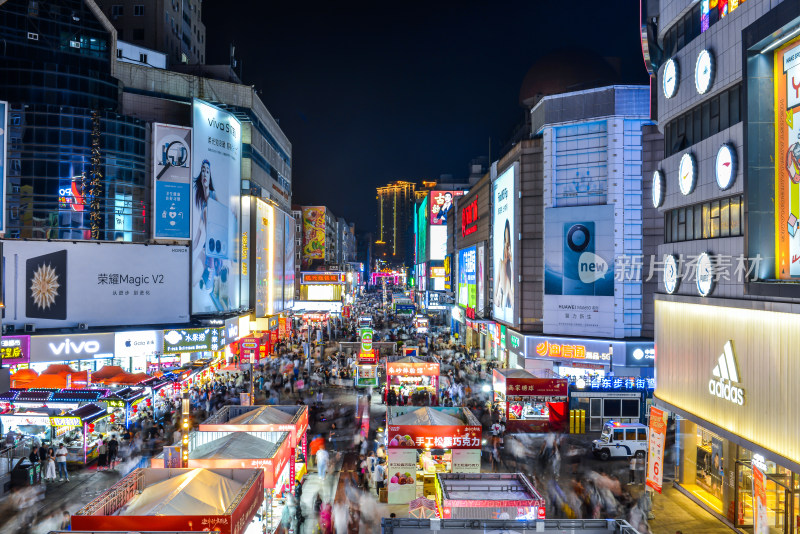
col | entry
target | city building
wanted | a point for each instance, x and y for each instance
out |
(172, 27)
(114, 163)
(395, 205)
(726, 316)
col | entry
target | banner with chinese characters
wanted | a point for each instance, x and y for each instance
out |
(655, 448)
(760, 521)
(15, 349)
(401, 474)
(434, 437)
(466, 461)
(412, 368)
(192, 340)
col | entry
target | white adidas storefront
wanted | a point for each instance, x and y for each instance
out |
(731, 377)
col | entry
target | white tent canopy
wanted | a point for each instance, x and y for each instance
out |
(427, 416)
(197, 492)
(234, 446)
(265, 415)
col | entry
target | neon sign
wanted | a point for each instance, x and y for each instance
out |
(469, 218)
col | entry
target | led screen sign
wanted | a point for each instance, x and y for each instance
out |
(469, 218)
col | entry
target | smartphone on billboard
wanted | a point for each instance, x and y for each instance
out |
(579, 238)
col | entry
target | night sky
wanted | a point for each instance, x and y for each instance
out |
(374, 92)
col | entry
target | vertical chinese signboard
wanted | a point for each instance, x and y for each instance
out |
(655, 448)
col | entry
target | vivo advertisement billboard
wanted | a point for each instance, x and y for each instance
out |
(71, 347)
(504, 250)
(172, 177)
(216, 183)
(579, 271)
(49, 284)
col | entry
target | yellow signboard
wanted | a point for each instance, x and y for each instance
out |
(787, 160)
(65, 421)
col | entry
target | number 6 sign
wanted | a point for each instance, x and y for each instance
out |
(655, 448)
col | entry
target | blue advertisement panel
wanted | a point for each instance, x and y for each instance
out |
(216, 185)
(579, 271)
(467, 267)
(172, 177)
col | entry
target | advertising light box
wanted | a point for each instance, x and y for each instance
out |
(48, 284)
(441, 206)
(467, 267)
(172, 176)
(579, 271)
(504, 252)
(216, 172)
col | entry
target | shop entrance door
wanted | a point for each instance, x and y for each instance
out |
(782, 500)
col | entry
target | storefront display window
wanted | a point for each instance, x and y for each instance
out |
(528, 410)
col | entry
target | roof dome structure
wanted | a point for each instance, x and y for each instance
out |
(563, 71)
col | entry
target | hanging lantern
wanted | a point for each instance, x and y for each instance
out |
(149, 402)
(135, 408)
(90, 427)
(113, 418)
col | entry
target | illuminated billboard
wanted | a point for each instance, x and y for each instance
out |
(216, 176)
(172, 174)
(787, 161)
(504, 250)
(262, 258)
(441, 206)
(3, 157)
(313, 234)
(467, 269)
(421, 216)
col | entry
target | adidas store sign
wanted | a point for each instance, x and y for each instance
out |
(724, 374)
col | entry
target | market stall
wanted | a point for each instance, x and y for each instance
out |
(80, 430)
(123, 404)
(532, 401)
(424, 441)
(290, 418)
(224, 500)
(488, 496)
(407, 375)
(268, 451)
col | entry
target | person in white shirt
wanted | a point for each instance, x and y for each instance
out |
(61, 462)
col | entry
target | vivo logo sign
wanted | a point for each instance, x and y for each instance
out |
(69, 347)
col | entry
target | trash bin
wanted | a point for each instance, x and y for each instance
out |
(25, 473)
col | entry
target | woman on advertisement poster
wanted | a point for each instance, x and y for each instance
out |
(504, 290)
(210, 273)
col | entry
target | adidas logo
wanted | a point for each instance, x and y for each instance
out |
(725, 372)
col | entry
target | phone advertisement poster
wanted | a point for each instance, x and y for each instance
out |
(216, 183)
(579, 270)
(172, 177)
(504, 252)
(655, 448)
(787, 161)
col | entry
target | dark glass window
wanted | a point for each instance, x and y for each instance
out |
(717, 218)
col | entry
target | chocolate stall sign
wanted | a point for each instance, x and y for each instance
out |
(15, 349)
(434, 437)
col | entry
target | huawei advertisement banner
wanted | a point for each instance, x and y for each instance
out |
(504, 252)
(655, 448)
(172, 176)
(467, 266)
(3, 158)
(216, 176)
(48, 284)
(579, 271)
(441, 206)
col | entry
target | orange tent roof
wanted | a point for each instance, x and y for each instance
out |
(25, 374)
(126, 378)
(58, 369)
(108, 371)
(48, 381)
(78, 379)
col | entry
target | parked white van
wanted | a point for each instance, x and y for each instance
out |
(621, 440)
